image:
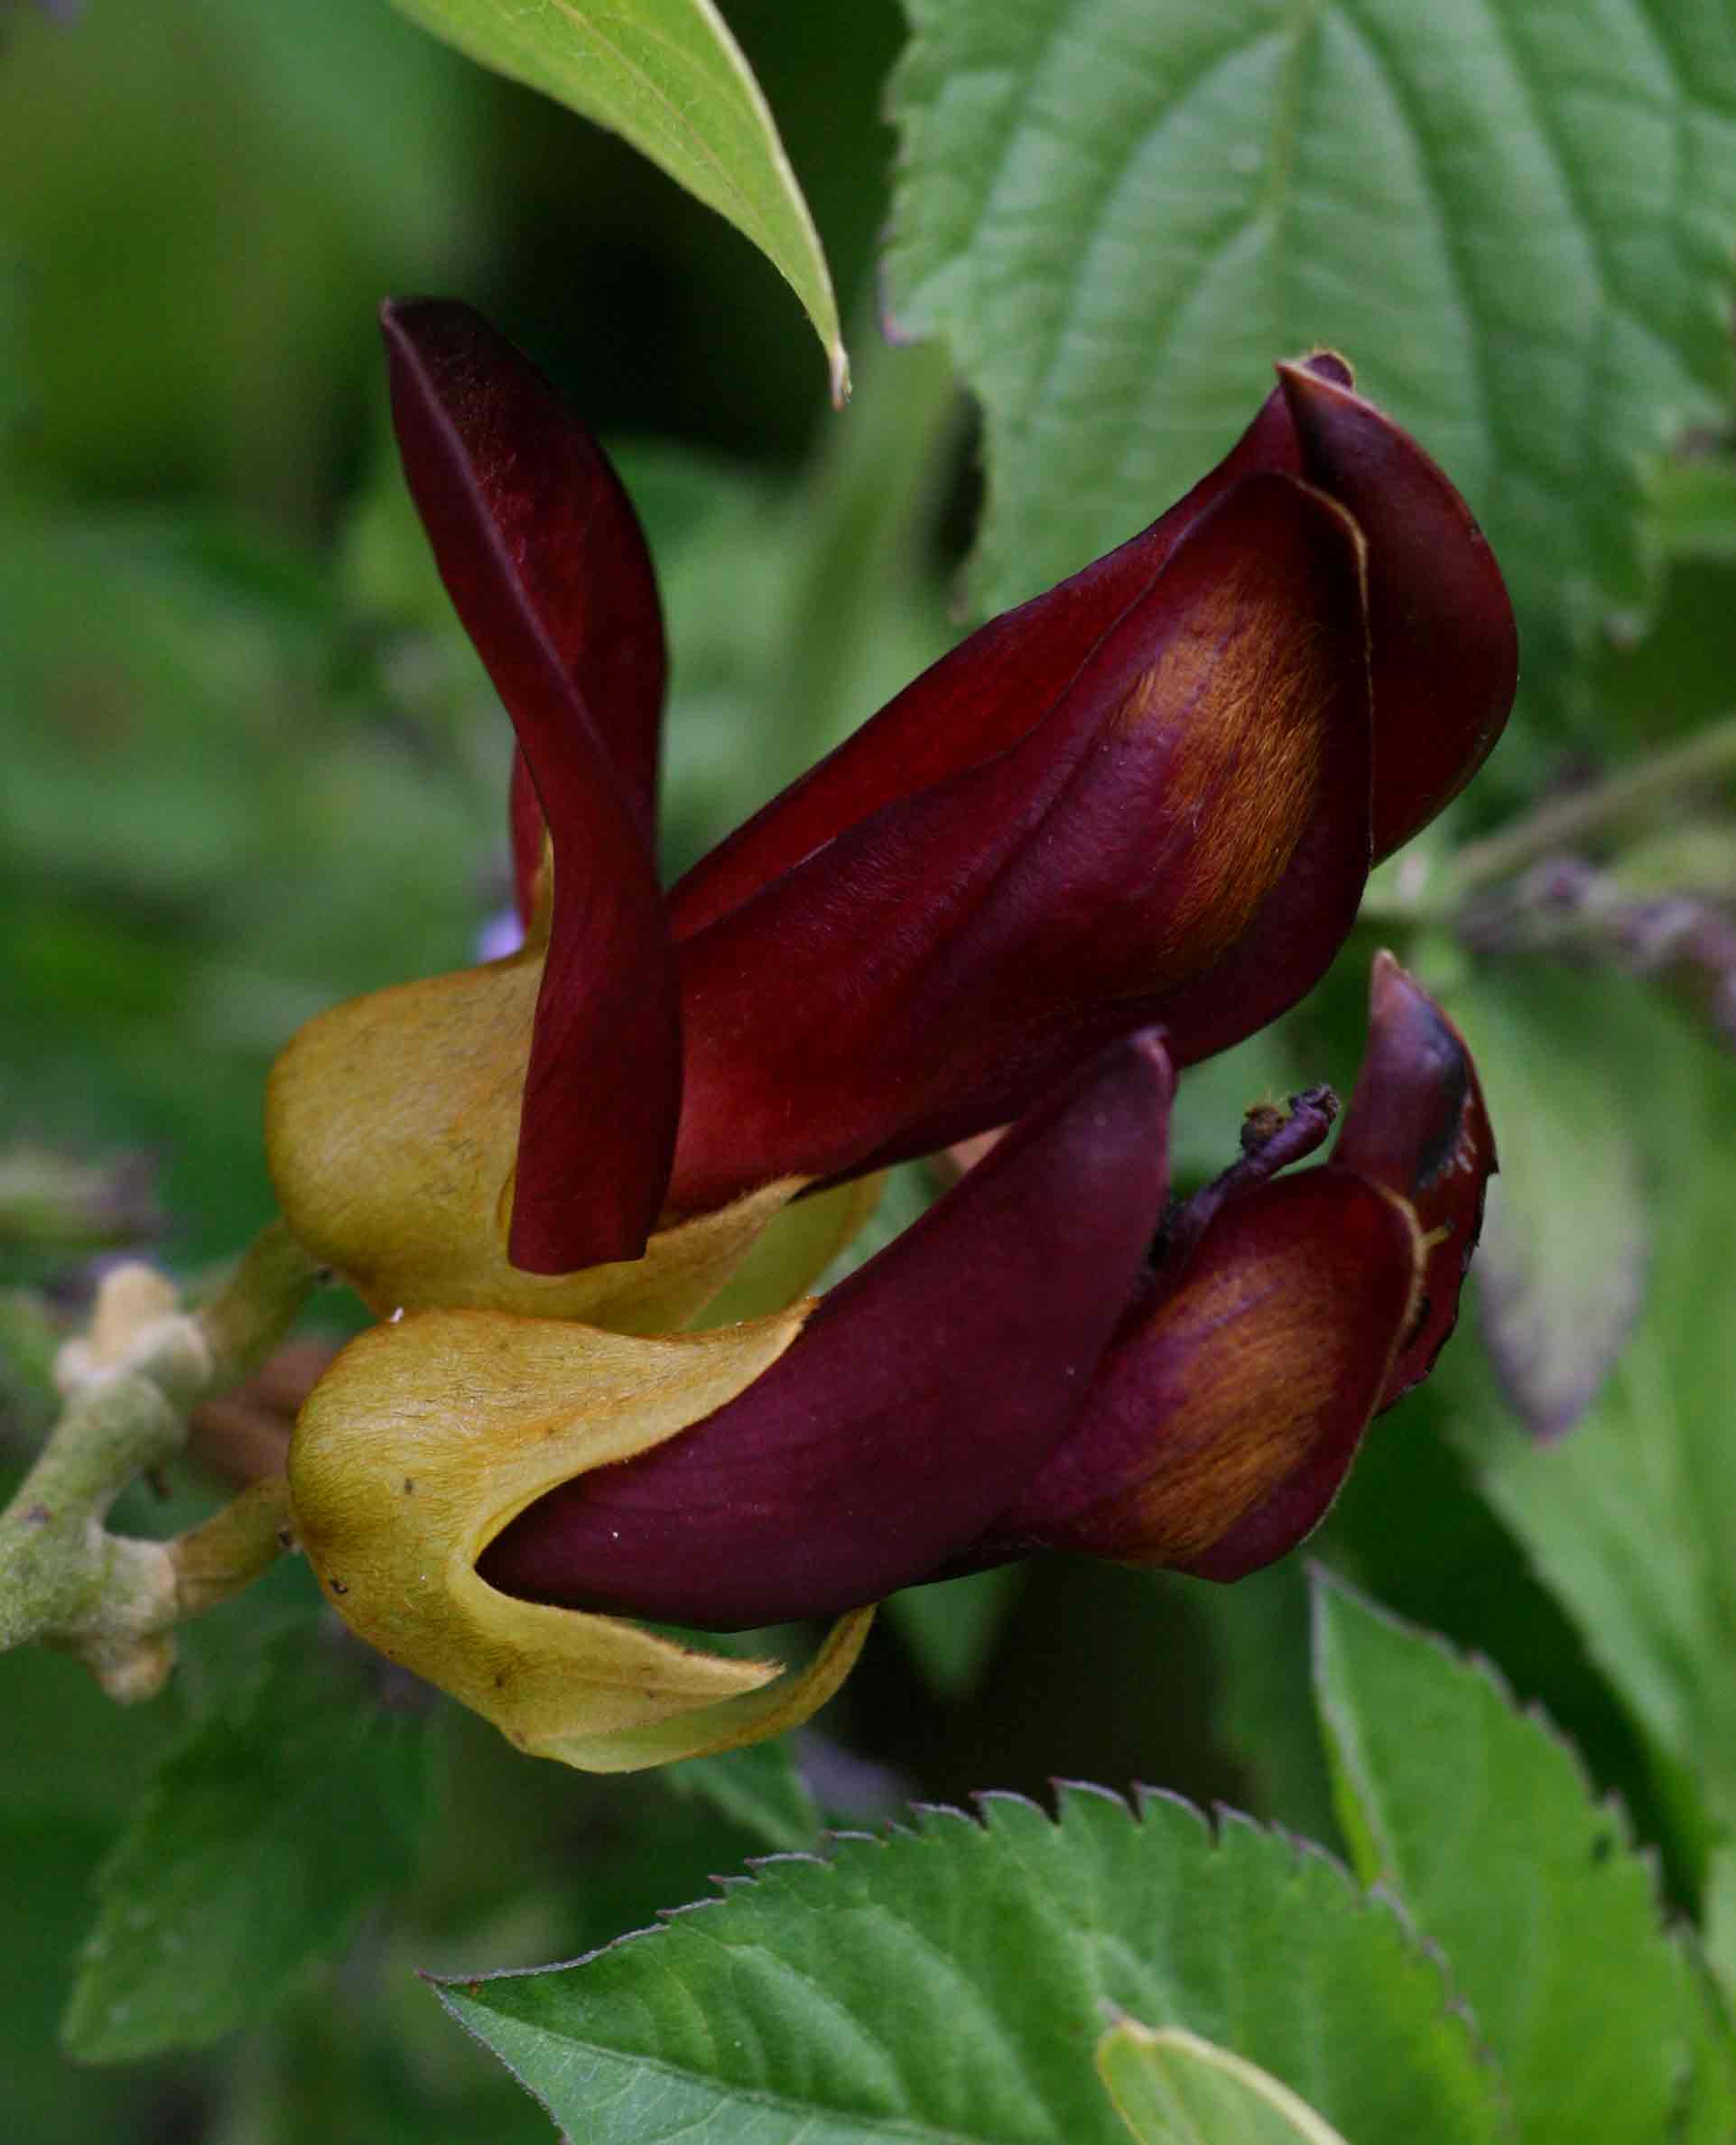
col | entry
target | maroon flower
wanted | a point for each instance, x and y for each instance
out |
(1048, 1359)
(1148, 798)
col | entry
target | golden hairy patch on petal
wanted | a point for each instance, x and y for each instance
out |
(1245, 694)
(425, 1438)
(1272, 1350)
(392, 1130)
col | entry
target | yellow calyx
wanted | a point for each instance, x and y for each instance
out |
(392, 1129)
(428, 1436)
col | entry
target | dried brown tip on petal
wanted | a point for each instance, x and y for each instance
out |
(1443, 644)
(1417, 1125)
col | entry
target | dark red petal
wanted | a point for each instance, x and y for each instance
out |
(921, 1395)
(977, 700)
(525, 825)
(929, 972)
(559, 527)
(538, 549)
(1445, 649)
(1229, 1408)
(1417, 1124)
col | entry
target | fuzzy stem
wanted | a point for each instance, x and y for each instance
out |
(129, 1383)
(1554, 827)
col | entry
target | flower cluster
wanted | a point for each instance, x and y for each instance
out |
(586, 1186)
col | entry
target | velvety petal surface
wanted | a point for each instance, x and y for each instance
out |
(1229, 1406)
(559, 516)
(922, 1393)
(528, 833)
(980, 698)
(425, 1437)
(1445, 648)
(546, 566)
(1417, 1125)
(929, 972)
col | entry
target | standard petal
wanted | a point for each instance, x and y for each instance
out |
(928, 973)
(1445, 649)
(922, 1393)
(546, 569)
(540, 506)
(423, 1437)
(1417, 1125)
(1229, 1408)
(978, 700)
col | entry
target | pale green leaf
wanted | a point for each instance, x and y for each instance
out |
(259, 1842)
(1693, 509)
(951, 1983)
(1631, 1520)
(1483, 1823)
(1172, 2088)
(667, 76)
(1561, 1273)
(1721, 1919)
(1516, 220)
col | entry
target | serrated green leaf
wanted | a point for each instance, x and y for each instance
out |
(1484, 1824)
(757, 1788)
(1516, 220)
(260, 1841)
(1561, 1273)
(950, 1983)
(1172, 2088)
(668, 76)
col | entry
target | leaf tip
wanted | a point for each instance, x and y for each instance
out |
(838, 371)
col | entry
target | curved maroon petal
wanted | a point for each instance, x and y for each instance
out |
(1417, 1125)
(1445, 648)
(922, 1391)
(1227, 1411)
(562, 526)
(536, 545)
(978, 699)
(930, 972)
(526, 827)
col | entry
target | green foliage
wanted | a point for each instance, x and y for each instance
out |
(1632, 1519)
(197, 205)
(870, 1994)
(758, 1789)
(668, 76)
(262, 1839)
(1483, 1824)
(1514, 220)
(951, 1630)
(1172, 2088)
(212, 677)
(1567, 1238)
